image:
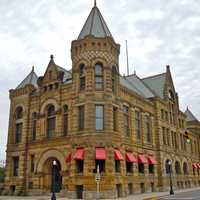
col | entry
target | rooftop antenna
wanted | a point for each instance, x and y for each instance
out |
(127, 58)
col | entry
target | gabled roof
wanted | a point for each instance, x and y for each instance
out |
(156, 83)
(95, 25)
(140, 86)
(190, 116)
(136, 85)
(30, 79)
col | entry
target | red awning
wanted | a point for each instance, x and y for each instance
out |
(142, 159)
(68, 158)
(195, 166)
(118, 155)
(100, 154)
(79, 155)
(151, 160)
(130, 157)
(198, 165)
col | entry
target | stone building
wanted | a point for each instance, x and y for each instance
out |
(91, 115)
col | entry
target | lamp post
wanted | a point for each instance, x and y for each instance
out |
(98, 178)
(170, 176)
(53, 197)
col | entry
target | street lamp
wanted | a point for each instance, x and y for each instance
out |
(53, 197)
(170, 176)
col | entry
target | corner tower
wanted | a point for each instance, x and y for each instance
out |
(95, 56)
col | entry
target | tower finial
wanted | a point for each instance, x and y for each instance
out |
(33, 68)
(95, 3)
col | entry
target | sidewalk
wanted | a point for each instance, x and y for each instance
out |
(153, 195)
(147, 196)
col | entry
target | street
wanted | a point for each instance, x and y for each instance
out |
(193, 195)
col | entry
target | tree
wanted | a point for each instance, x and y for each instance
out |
(2, 174)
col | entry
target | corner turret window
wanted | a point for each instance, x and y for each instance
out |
(114, 73)
(99, 76)
(82, 76)
(18, 124)
(51, 121)
(65, 120)
(34, 124)
(99, 117)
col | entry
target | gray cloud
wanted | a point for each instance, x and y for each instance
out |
(159, 32)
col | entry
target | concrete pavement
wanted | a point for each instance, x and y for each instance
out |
(179, 195)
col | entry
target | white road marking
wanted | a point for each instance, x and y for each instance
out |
(182, 198)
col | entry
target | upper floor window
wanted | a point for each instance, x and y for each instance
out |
(138, 124)
(148, 128)
(32, 163)
(50, 75)
(126, 119)
(82, 76)
(114, 118)
(81, 118)
(51, 121)
(18, 124)
(19, 113)
(15, 166)
(114, 73)
(65, 120)
(34, 124)
(99, 76)
(99, 117)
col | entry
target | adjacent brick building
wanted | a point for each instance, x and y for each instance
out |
(91, 115)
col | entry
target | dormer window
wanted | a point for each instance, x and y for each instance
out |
(171, 95)
(82, 76)
(50, 75)
(99, 76)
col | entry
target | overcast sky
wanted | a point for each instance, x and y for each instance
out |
(159, 33)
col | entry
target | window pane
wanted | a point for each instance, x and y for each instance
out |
(98, 69)
(99, 111)
(99, 124)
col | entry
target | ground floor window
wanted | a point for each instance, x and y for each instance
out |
(152, 187)
(101, 164)
(151, 169)
(129, 167)
(142, 188)
(79, 166)
(130, 188)
(119, 190)
(117, 166)
(79, 191)
(141, 168)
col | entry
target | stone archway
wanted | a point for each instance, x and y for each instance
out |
(47, 172)
(44, 167)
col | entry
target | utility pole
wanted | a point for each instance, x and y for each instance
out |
(127, 59)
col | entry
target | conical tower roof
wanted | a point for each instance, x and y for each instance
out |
(190, 116)
(30, 79)
(95, 25)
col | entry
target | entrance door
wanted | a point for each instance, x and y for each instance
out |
(47, 170)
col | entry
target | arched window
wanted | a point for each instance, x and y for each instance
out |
(185, 168)
(99, 76)
(18, 124)
(114, 73)
(19, 113)
(65, 120)
(171, 95)
(177, 167)
(51, 121)
(82, 76)
(34, 124)
(167, 166)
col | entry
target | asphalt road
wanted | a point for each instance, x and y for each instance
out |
(193, 195)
